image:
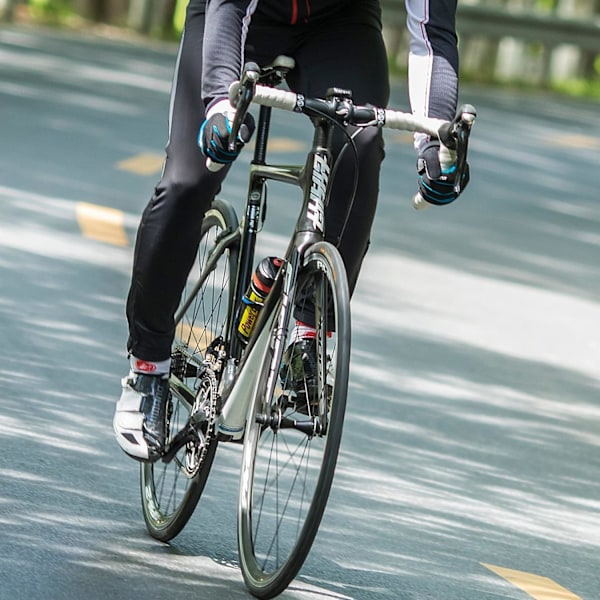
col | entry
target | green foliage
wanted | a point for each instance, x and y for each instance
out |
(546, 5)
(580, 88)
(180, 15)
(50, 10)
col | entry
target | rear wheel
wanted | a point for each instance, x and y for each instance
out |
(294, 430)
(171, 489)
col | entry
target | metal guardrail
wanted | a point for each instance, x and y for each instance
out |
(496, 22)
(493, 22)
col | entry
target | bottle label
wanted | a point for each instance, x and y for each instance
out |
(249, 316)
(262, 281)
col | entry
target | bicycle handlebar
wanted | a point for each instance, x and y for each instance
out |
(453, 135)
(353, 115)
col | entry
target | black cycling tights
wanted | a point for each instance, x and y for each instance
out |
(337, 52)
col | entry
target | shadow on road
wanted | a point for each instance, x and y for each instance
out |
(473, 422)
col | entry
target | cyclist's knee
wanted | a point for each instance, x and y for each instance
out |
(198, 186)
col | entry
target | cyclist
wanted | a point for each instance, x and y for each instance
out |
(333, 42)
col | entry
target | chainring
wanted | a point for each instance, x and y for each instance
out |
(205, 406)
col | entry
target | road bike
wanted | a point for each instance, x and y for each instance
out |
(226, 388)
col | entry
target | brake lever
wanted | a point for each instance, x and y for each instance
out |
(455, 135)
(242, 100)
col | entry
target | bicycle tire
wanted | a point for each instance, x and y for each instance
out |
(171, 490)
(269, 519)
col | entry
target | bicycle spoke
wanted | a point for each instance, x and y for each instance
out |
(282, 508)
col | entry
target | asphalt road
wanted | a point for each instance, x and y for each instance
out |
(470, 459)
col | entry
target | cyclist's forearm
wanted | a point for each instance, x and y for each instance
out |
(227, 23)
(433, 58)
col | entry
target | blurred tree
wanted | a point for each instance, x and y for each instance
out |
(102, 11)
(140, 15)
(168, 18)
(153, 16)
(7, 10)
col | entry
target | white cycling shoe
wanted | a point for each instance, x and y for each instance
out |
(140, 416)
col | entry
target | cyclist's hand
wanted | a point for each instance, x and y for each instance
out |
(214, 134)
(436, 168)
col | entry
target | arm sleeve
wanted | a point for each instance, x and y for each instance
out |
(433, 59)
(227, 23)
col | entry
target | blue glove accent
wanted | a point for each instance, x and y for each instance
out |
(437, 192)
(436, 185)
(449, 171)
(200, 140)
(214, 134)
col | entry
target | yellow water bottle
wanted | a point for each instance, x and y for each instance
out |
(259, 288)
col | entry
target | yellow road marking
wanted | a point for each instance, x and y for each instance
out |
(142, 164)
(102, 223)
(196, 338)
(540, 588)
(282, 144)
(285, 145)
(575, 141)
(150, 163)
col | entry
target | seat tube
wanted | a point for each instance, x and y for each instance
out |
(251, 225)
(262, 135)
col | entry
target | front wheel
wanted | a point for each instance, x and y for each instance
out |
(170, 490)
(294, 428)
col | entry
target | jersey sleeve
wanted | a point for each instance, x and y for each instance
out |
(225, 33)
(433, 59)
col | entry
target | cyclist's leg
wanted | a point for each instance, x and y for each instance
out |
(165, 249)
(170, 227)
(361, 67)
(172, 487)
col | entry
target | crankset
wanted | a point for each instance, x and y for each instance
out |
(199, 431)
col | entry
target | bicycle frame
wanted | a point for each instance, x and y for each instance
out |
(244, 364)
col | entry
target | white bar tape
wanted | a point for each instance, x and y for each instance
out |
(277, 98)
(395, 119)
(266, 96)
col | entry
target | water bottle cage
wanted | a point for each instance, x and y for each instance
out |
(252, 303)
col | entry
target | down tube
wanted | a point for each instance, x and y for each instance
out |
(233, 417)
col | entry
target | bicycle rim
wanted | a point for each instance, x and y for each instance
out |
(171, 490)
(287, 472)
